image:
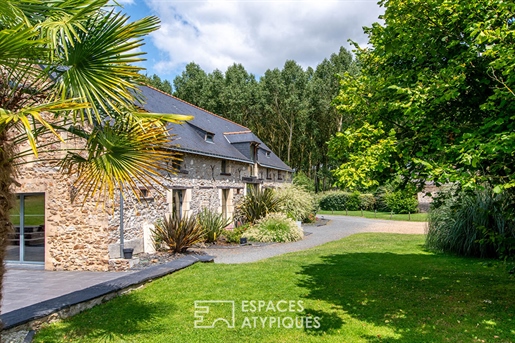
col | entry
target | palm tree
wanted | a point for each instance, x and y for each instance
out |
(67, 69)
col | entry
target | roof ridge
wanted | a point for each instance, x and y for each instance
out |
(237, 132)
(197, 107)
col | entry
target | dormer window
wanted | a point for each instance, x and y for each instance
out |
(209, 137)
(267, 154)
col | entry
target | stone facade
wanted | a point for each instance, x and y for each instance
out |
(202, 179)
(74, 232)
(87, 236)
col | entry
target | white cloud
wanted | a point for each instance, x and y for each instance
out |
(258, 34)
(124, 2)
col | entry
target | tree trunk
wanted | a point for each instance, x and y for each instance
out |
(6, 198)
(290, 139)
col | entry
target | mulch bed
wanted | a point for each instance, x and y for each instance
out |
(148, 260)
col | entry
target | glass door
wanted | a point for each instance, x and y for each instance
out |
(27, 241)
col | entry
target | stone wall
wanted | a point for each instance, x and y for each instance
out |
(79, 236)
(202, 180)
(75, 233)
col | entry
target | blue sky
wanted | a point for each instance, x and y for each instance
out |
(259, 34)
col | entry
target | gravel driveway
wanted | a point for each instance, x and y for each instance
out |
(338, 227)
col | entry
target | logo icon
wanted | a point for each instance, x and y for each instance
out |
(210, 312)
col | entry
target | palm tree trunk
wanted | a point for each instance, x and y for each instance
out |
(6, 198)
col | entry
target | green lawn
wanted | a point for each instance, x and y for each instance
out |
(365, 288)
(416, 217)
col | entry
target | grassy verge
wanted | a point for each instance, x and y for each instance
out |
(364, 288)
(416, 217)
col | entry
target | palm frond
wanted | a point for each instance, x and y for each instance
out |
(132, 152)
(98, 63)
(23, 118)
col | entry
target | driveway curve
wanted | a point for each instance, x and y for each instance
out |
(338, 227)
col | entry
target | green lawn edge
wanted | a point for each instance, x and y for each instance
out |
(371, 287)
(414, 217)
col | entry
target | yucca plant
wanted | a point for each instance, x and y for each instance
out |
(212, 223)
(257, 204)
(177, 234)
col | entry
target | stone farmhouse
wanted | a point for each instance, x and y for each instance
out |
(221, 160)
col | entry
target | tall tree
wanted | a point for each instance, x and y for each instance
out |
(156, 82)
(284, 93)
(325, 120)
(66, 66)
(440, 74)
(191, 85)
(239, 94)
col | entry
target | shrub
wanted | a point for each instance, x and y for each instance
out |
(303, 181)
(296, 203)
(367, 201)
(400, 202)
(257, 204)
(275, 227)
(177, 234)
(340, 201)
(234, 235)
(212, 223)
(477, 224)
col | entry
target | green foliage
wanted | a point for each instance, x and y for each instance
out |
(302, 180)
(275, 227)
(257, 204)
(177, 234)
(400, 202)
(212, 223)
(341, 201)
(156, 82)
(295, 202)
(233, 235)
(364, 154)
(439, 73)
(479, 223)
(367, 201)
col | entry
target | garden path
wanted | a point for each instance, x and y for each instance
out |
(338, 227)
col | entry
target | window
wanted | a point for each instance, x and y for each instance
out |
(267, 154)
(225, 170)
(26, 243)
(279, 176)
(268, 174)
(176, 164)
(209, 137)
(179, 202)
(144, 193)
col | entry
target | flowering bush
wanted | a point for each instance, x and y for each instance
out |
(295, 202)
(275, 227)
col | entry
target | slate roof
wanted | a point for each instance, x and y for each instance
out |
(230, 141)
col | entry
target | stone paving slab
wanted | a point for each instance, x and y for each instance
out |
(44, 308)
